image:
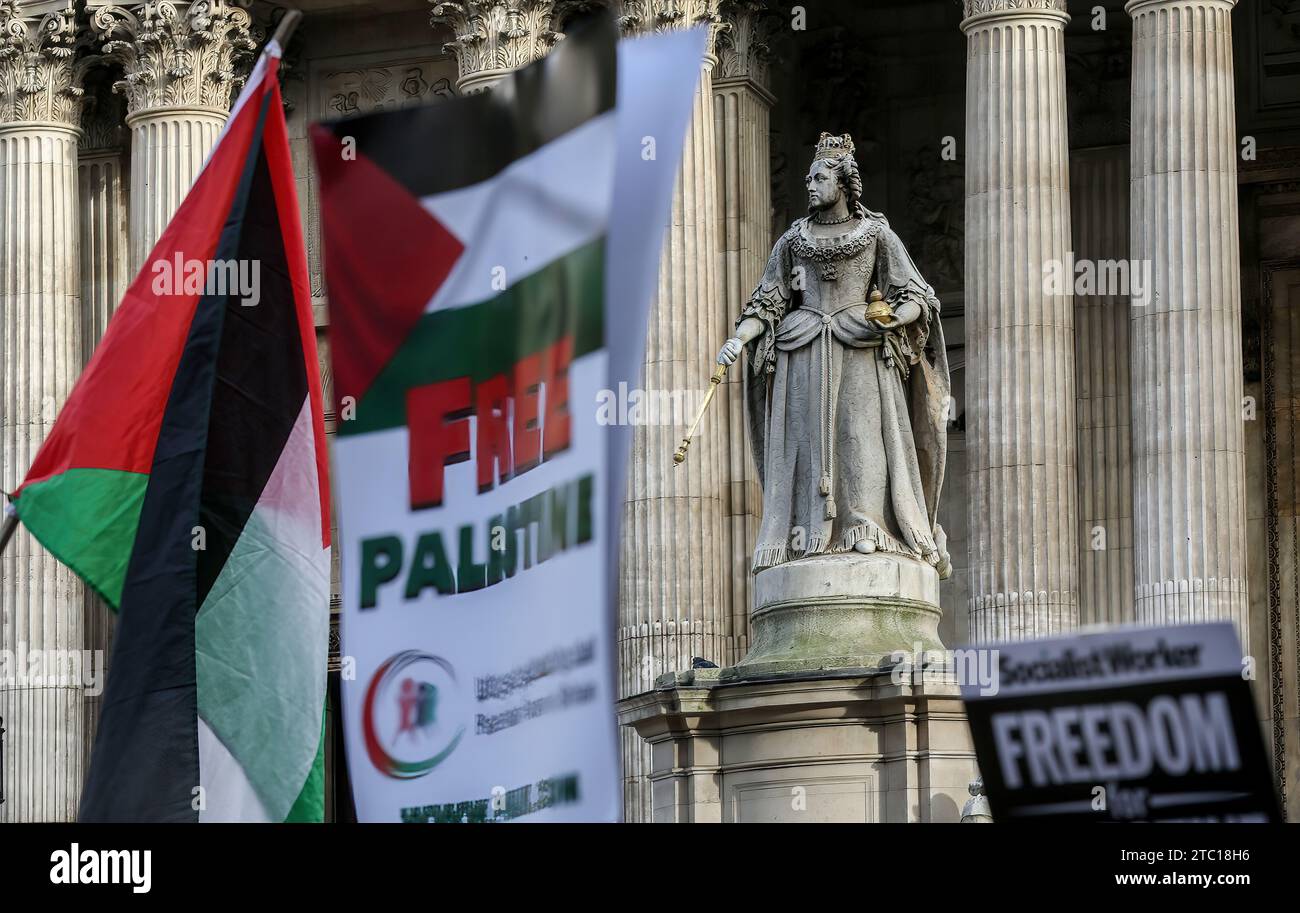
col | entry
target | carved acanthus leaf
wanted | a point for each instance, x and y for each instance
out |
(743, 45)
(975, 7)
(40, 75)
(175, 53)
(495, 35)
(639, 17)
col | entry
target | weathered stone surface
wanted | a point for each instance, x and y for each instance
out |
(1189, 473)
(182, 63)
(1020, 394)
(849, 748)
(839, 611)
(40, 356)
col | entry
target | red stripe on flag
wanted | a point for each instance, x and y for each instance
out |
(112, 417)
(275, 141)
(385, 257)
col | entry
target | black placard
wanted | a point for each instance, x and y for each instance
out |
(1133, 724)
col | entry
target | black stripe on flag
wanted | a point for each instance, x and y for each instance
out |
(261, 385)
(528, 109)
(145, 762)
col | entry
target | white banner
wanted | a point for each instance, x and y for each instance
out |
(479, 629)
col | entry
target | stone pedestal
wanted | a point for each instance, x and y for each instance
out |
(817, 723)
(840, 611)
(833, 747)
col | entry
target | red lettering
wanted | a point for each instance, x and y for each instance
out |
(439, 436)
(439, 433)
(493, 438)
(557, 432)
(528, 445)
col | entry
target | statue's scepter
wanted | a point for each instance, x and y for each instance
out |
(718, 374)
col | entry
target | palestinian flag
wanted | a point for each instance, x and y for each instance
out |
(527, 178)
(185, 480)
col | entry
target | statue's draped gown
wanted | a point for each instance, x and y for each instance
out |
(848, 423)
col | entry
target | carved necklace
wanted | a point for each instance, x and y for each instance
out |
(847, 216)
(824, 252)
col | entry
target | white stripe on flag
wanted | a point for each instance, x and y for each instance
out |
(227, 794)
(544, 206)
(261, 637)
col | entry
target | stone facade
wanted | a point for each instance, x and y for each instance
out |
(1104, 463)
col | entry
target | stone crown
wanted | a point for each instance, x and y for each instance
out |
(833, 147)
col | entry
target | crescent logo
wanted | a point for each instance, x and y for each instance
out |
(403, 721)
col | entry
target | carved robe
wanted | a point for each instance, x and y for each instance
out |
(848, 423)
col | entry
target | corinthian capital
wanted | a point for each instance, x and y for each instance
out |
(40, 76)
(638, 17)
(494, 37)
(742, 42)
(174, 54)
(980, 7)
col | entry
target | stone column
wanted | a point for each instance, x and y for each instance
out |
(41, 601)
(494, 37)
(180, 64)
(105, 268)
(1021, 448)
(1099, 184)
(673, 598)
(105, 272)
(742, 108)
(1189, 504)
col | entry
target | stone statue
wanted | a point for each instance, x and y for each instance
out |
(848, 399)
(976, 810)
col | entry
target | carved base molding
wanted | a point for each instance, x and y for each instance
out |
(851, 748)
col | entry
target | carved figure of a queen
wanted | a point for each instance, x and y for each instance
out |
(848, 400)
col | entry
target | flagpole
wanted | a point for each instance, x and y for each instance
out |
(7, 530)
(287, 24)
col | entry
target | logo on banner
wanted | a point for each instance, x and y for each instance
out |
(410, 716)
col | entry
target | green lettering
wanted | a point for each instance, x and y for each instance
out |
(425, 574)
(376, 572)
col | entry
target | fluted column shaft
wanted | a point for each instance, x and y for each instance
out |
(1021, 447)
(103, 235)
(1189, 503)
(40, 356)
(673, 603)
(168, 148)
(104, 275)
(742, 108)
(1099, 181)
(41, 623)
